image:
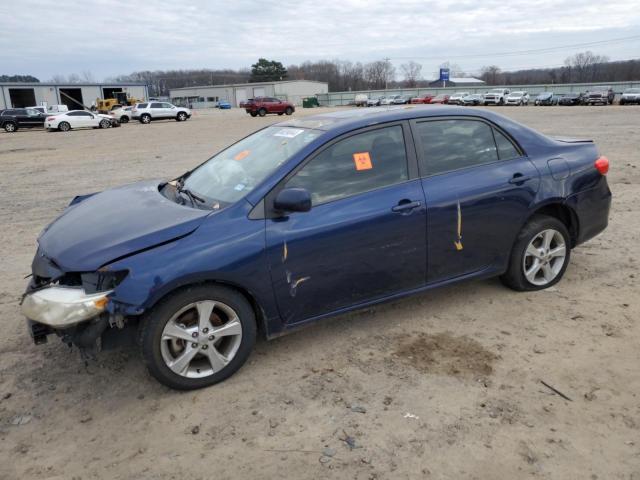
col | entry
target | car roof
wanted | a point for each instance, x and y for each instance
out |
(356, 118)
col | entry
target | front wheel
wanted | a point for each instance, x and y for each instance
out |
(540, 255)
(254, 114)
(124, 119)
(198, 336)
(105, 124)
(64, 126)
(288, 110)
(181, 117)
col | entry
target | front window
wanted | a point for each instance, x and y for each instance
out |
(236, 171)
(357, 164)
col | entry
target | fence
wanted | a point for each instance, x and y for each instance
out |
(334, 99)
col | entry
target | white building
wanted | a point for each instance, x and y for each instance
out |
(208, 96)
(75, 96)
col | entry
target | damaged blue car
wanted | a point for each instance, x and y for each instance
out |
(307, 219)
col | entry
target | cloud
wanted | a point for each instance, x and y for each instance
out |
(111, 37)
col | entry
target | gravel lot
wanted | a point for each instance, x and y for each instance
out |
(442, 385)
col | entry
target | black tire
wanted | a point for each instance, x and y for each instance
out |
(181, 117)
(10, 127)
(124, 119)
(64, 126)
(280, 113)
(501, 101)
(145, 118)
(288, 110)
(262, 112)
(154, 323)
(105, 124)
(253, 114)
(514, 277)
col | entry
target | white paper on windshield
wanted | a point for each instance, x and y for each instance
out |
(288, 132)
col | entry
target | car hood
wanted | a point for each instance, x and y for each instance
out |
(116, 223)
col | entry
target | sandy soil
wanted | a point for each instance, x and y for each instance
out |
(441, 385)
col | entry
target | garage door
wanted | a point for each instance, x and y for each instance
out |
(258, 92)
(241, 95)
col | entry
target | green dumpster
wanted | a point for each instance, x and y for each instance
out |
(310, 102)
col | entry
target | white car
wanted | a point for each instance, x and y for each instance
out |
(517, 98)
(389, 100)
(123, 114)
(78, 119)
(148, 111)
(456, 98)
(496, 96)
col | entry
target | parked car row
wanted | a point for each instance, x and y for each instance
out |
(503, 96)
(13, 119)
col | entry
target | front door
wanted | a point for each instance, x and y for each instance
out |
(478, 186)
(365, 235)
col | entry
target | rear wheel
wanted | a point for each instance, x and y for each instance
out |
(64, 126)
(145, 118)
(253, 114)
(105, 124)
(198, 336)
(262, 112)
(124, 119)
(10, 127)
(288, 110)
(540, 255)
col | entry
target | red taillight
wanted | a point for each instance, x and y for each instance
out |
(50, 119)
(602, 165)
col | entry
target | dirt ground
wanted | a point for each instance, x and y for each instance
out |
(443, 385)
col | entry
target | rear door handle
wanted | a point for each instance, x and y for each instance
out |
(519, 178)
(405, 206)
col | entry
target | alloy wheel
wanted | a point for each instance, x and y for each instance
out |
(544, 257)
(201, 339)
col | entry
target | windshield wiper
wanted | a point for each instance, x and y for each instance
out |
(188, 193)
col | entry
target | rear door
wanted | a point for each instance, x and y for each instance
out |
(479, 186)
(365, 235)
(156, 110)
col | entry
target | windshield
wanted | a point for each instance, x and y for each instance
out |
(234, 172)
(632, 90)
(496, 90)
(517, 94)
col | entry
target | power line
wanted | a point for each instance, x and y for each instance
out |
(527, 52)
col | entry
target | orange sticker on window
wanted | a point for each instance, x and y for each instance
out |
(242, 154)
(362, 161)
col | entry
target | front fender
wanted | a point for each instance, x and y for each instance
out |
(227, 248)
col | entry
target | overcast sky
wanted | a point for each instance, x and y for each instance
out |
(112, 37)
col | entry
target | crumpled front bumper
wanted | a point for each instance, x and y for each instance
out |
(63, 307)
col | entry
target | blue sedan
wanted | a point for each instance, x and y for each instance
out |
(311, 218)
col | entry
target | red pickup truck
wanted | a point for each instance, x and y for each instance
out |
(263, 105)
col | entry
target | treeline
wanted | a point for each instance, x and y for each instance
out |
(580, 68)
(19, 78)
(161, 81)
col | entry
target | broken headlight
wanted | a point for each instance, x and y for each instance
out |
(102, 280)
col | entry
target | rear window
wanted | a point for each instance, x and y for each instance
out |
(142, 105)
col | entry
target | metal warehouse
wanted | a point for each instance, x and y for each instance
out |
(208, 96)
(74, 95)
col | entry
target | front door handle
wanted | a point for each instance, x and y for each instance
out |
(519, 178)
(405, 206)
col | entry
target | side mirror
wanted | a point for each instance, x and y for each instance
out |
(293, 200)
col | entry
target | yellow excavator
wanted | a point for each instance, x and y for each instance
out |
(105, 105)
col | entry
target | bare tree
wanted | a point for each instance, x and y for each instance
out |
(87, 76)
(491, 74)
(379, 73)
(584, 66)
(411, 72)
